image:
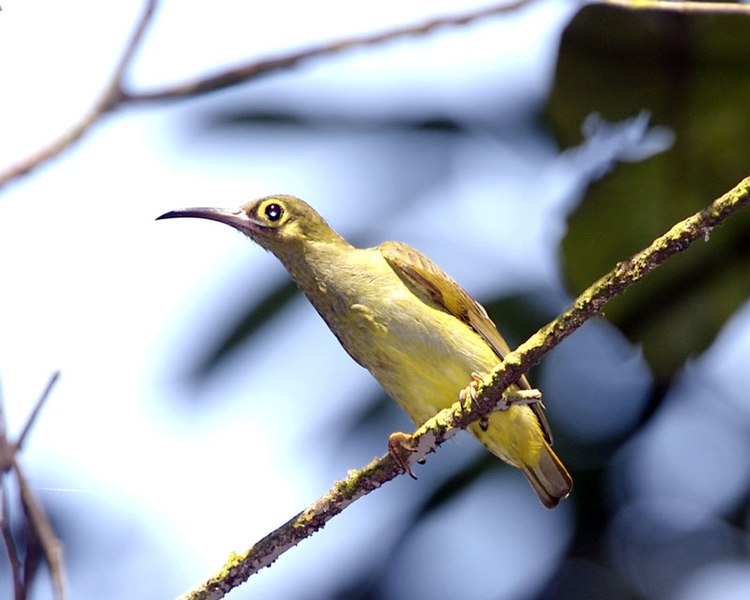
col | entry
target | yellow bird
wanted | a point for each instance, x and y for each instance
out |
(406, 321)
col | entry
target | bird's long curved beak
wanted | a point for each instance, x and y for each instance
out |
(234, 217)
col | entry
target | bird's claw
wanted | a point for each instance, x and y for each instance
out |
(471, 389)
(399, 447)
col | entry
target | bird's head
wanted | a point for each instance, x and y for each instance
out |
(282, 224)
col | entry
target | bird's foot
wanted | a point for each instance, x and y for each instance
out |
(400, 445)
(471, 391)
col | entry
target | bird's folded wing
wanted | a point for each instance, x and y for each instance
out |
(433, 285)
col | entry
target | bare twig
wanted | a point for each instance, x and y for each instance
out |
(116, 95)
(255, 68)
(111, 98)
(447, 422)
(37, 522)
(131, 47)
(10, 546)
(40, 524)
(35, 411)
(726, 8)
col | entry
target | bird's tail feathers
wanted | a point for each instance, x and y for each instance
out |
(549, 477)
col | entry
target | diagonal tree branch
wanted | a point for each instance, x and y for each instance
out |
(37, 522)
(725, 8)
(253, 69)
(14, 563)
(447, 422)
(116, 95)
(36, 410)
(110, 100)
(40, 525)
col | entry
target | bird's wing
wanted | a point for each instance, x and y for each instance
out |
(430, 283)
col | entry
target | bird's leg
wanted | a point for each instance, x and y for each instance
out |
(512, 396)
(399, 447)
(471, 389)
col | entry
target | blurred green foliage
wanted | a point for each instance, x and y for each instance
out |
(691, 73)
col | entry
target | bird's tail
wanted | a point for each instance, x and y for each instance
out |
(549, 477)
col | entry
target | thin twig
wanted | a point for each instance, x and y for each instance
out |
(111, 98)
(7, 454)
(726, 8)
(116, 95)
(35, 412)
(10, 546)
(255, 68)
(135, 41)
(3, 424)
(448, 421)
(37, 520)
(40, 524)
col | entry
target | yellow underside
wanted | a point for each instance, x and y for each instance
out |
(424, 357)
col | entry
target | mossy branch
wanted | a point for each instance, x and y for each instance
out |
(447, 422)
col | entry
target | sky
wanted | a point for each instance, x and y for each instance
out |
(121, 304)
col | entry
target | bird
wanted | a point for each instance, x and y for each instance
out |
(406, 321)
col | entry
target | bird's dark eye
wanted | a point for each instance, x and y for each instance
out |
(273, 211)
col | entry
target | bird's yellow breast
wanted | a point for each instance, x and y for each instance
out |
(420, 354)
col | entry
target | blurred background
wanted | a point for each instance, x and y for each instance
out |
(203, 402)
